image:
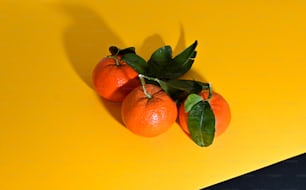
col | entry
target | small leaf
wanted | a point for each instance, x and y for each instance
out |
(136, 62)
(201, 124)
(113, 50)
(127, 50)
(192, 100)
(116, 51)
(205, 86)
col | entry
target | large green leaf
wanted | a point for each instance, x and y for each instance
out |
(159, 60)
(161, 56)
(183, 61)
(136, 62)
(180, 89)
(201, 124)
(163, 66)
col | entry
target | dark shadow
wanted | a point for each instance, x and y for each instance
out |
(87, 39)
(181, 43)
(149, 45)
(155, 41)
(114, 108)
(192, 74)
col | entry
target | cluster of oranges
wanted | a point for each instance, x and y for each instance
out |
(150, 103)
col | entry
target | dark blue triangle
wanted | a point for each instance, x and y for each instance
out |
(289, 174)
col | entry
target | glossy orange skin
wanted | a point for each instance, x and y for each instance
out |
(113, 82)
(148, 117)
(220, 108)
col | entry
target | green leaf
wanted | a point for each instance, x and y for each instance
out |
(163, 66)
(127, 50)
(136, 62)
(161, 56)
(183, 61)
(116, 51)
(159, 60)
(192, 100)
(179, 89)
(204, 85)
(187, 54)
(201, 124)
(113, 50)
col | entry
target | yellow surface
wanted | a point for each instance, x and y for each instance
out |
(56, 133)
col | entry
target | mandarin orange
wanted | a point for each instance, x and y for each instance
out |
(148, 116)
(113, 78)
(220, 109)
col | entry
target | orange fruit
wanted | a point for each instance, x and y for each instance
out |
(145, 116)
(113, 78)
(220, 109)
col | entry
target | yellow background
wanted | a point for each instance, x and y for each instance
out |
(56, 133)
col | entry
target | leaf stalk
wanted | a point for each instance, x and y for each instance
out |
(143, 83)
